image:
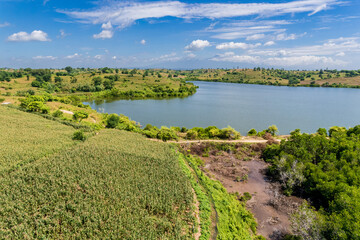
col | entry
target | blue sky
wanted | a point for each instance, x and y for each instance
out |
(303, 34)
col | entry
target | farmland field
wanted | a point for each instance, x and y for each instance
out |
(25, 137)
(115, 185)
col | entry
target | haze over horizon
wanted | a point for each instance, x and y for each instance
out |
(304, 34)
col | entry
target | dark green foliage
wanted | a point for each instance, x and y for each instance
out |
(325, 170)
(80, 115)
(112, 121)
(57, 113)
(252, 132)
(322, 131)
(166, 134)
(79, 135)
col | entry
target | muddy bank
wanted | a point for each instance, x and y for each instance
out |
(240, 169)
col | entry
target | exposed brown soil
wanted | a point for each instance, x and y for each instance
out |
(271, 208)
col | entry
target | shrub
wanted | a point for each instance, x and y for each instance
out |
(273, 130)
(112, 121)
(79, 135)
(229, 133)
(166, 134)
(252, 132)
(57, 113)
(192, 134)
(2, 99)
(80, 115)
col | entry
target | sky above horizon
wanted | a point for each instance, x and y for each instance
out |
(303, 34)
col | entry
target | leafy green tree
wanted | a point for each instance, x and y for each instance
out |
(80, 115)
(69, 69)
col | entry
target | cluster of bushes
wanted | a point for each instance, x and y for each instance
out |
(35, 104)
(324, 168)
(124, 123)
(7, 76)
(272, 130)
(211, 132)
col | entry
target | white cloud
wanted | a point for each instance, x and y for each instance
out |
(191, 55)
(106, 25)
(76, 55)
(232, 57)
(114, 57)
(248, 29)
(126, 13)
(255, 37)
(340, 54)
(36, 35)
(197, 45)
(143, 42)
(285, 37)
(300, 61)
(44, 58)
(45, 2)
(172, 57)
(63, 34)
(233, 45)
(98, 57)
(308, 60)
(329, 48)
(318, 9)
(104, 34)
(107, 31)
(269, 43)
(5, 24)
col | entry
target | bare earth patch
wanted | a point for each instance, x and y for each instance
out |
(271, 208)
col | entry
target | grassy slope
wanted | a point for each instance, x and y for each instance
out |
(115, 185)
(25, 137)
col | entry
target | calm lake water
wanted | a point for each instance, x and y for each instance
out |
(246, 106)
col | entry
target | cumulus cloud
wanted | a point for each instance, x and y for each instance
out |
(197, 45)
(232, 57)
(76, 55)
(340, 54)
(107, 31)
(104, 34)
(143, 42)
(44, 58)
(255, 37)
(36, 35)
(233, 45)
(269, 43)
(126, 13)
(309, 60)
(303, 61)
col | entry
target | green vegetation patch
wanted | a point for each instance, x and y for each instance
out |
(115, 185)
(25, 137)
(233, 220)
(325, 170)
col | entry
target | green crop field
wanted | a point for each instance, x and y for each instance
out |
(25, 137)
(116, 185)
